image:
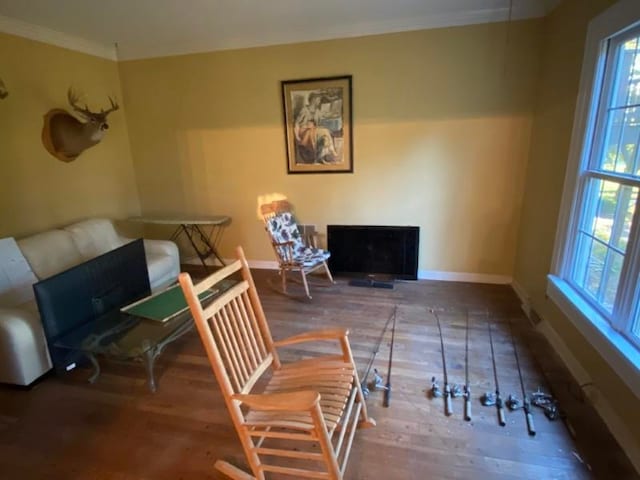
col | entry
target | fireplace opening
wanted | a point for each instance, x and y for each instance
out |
(374, 253)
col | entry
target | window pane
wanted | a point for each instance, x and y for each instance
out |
(603, 238)
(611, 278)
(591, 265)
(621, 121)
(625, 88)
(620, 145)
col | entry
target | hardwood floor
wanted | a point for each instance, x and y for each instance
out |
(65, 428)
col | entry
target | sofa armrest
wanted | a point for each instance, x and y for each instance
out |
(157, 247)
(162, 247)
(24, 355)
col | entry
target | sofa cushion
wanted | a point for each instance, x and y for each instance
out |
(94, 237)
(50, 252)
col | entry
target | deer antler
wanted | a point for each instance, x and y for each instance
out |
(114, 106)
(73, 101)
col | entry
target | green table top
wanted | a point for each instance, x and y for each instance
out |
(164, 305)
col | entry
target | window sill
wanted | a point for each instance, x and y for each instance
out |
(621, 355)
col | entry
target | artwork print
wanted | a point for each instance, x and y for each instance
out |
(317, 116)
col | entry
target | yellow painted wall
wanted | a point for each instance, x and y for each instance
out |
(564, 34)
(37, 190)
(441, 138)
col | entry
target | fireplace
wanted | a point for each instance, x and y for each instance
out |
(365, 250)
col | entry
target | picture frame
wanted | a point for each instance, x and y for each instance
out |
(318, 124)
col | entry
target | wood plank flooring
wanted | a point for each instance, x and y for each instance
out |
(65, 428)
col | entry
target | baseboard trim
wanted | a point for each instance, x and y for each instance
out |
(422, 274)
(616, 426)
(464, 277)
(525, 301)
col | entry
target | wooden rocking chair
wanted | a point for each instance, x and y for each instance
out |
(294, 253)
(304, 421)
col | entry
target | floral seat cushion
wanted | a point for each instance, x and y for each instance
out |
(283, 228)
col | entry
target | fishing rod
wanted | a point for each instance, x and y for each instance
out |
(526, 404)
(499, 404)
(376, 348)
(467, 389)
(387, 392)
(447, 389)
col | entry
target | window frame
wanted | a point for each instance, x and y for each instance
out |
(606, 332)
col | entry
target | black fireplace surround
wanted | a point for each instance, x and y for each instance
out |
(363, 250)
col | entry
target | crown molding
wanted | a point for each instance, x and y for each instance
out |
(211, 41)
(335, 32)
(54, 37)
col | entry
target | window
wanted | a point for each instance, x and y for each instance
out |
(596, 275)
(608, 190)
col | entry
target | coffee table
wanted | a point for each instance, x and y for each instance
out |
(124, 336)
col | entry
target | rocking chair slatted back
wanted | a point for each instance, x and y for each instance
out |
(285, 236)
(235, 333)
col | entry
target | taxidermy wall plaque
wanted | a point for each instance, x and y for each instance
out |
(65, 137)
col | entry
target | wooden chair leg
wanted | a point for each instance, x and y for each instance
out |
(329, 455)
(304, 282)
(326, 268)
(283, 275)
(365, 420)
(232, 471)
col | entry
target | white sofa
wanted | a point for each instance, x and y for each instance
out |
(23, 349)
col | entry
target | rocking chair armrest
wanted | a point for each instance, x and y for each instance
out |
(283, 244)
(301, 401)
(327, 334)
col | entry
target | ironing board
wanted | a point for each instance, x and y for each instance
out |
(206, 231)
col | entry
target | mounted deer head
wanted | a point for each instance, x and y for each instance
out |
(65, 137)
(3, 90)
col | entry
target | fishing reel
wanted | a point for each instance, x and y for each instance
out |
(435, 391)
(513, 403)
(365, 390)
(456, 391)
(547, 403)
(377, 383)
(488, 399)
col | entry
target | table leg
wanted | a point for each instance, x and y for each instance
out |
(96, 367)
(153, 352)
(150, 355)
(194, 231)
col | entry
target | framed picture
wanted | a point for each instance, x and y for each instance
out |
(317, 123)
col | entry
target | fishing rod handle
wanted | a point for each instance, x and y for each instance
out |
(501, 420)
(386, 399)
(467, 409)
(531, 428)
(447, 405)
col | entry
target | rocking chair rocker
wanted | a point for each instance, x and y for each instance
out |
(294, 253)
(307, 414)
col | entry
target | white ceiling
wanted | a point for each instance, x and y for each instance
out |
(150, 28)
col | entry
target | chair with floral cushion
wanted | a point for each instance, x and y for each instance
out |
(294, 253)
